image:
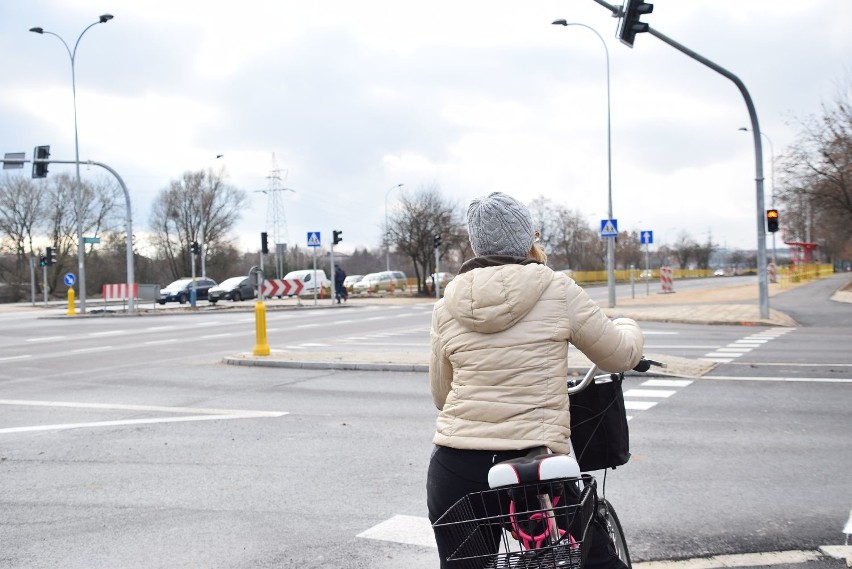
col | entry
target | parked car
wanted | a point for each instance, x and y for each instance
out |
(442, 278)
(234, 288)
(384, 281)
(180, 290)
(349, 282)
(311, 280)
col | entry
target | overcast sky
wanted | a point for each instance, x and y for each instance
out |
(349, 99)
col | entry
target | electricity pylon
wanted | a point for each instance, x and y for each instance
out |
(276, 220)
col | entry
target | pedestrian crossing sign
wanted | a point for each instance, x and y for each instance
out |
(609, 228)
(314, 239)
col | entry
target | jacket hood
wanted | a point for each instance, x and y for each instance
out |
(492, 294)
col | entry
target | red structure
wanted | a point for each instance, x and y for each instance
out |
(801, 253)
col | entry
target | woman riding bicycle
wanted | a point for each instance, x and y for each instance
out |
(498, 365)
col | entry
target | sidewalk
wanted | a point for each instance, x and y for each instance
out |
(728, 305)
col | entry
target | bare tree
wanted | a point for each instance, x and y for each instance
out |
(684, 249)
(628, 250)
(198, 203)
(20, 214)
(568, 239)
(423, 215)
(100, 203)
(817, 177)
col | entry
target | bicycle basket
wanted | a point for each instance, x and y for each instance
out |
(526, 526)
(599, 430)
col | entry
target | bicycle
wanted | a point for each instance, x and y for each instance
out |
(538, 511)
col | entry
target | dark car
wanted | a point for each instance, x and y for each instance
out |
(180, 290)
(234, 288)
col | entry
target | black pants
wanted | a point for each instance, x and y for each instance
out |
(455, 473)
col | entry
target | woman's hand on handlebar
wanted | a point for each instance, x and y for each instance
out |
(645, 364)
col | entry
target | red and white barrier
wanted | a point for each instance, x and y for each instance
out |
(119, 291)
(281, 287)
(666, 281)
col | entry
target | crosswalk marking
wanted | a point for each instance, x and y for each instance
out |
(639, 405)
(667, 383)
(726, 354)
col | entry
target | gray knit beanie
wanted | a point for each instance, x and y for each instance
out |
(499, 224)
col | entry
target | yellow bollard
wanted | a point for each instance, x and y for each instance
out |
(71, 310)
(261, 346)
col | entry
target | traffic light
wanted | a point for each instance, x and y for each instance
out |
(436, 241)
(40, 168)
(193, 248)
(264, 243)
(42, 261)
(48, 253)
(629, 24)
(772, 220)
(337, 236)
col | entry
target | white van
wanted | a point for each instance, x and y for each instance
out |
(311, 280)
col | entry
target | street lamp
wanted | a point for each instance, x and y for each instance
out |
(81, 259)
(387, 245)
(772, 176)
(610, 244)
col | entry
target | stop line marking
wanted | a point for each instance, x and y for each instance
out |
(193, 414)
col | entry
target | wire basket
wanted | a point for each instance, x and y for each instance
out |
(529, 526)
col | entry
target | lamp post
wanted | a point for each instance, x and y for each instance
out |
(81, 249)
(387, 245)
(610, 244)
(772, 177)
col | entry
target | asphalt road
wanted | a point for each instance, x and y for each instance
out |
(125, 442)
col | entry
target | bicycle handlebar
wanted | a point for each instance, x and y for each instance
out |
(643, 366)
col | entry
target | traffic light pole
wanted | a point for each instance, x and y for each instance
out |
(762, 269)
(131, 302)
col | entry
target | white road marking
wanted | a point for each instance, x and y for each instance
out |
(742, 349)
(639, 405)
(416, 530)
(196, 414)
(791, 379)
(108, 333)
(737, 560)
(838, 551)
(223, 335)
(649, 393)
(96, 349)
(667, 383)
(678, 347)
(313, 325)
(412, 530)
(313, 345)
(10, 358)
(160, 328)
(46, 339)
(155, 342)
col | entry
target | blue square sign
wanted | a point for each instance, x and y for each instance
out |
(609, 228)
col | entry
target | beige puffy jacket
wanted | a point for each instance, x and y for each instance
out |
(499, 346)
